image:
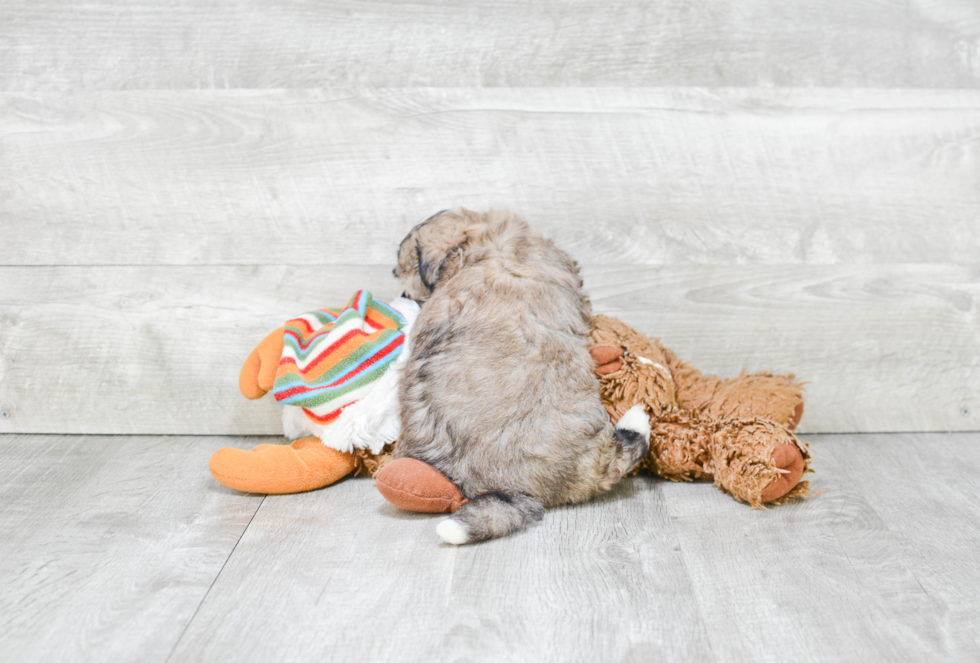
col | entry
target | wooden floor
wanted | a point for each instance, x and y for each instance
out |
(119, 548)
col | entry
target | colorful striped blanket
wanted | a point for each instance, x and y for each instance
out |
(331, 358)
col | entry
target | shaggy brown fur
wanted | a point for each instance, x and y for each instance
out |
(703, 427)
(368, 463)
(499, 393)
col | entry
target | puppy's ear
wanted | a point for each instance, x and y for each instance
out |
(434, 272)
(439, 243)
(453, 261)
(430, 271)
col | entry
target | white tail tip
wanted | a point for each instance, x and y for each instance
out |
(452, 531)
(636, 419)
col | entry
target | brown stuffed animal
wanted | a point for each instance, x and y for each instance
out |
(735, 432)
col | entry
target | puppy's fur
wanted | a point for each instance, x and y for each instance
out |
(499, 392)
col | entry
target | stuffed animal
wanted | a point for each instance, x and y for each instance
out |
(736, 432)
(336, 373)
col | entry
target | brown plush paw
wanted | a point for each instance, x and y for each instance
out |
(608, 359)
(416, 486)
(794, 419)
(785, 457)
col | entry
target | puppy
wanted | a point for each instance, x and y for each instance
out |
(499, 392)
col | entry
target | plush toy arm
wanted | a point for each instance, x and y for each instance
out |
(608, 359)
(259, 371)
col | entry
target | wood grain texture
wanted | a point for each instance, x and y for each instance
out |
(125, 549)
(617, 176)
(231, 44)
(108, 545)
(839, 576)
(158, 349)
(927, 489)
(140, 349)
(883, 348)
(325, 575)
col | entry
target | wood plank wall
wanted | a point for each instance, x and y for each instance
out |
(786, 185)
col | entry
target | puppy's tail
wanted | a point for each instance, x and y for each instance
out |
(632, 438)
(489, 516)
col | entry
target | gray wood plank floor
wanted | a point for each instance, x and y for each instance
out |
(120, 548)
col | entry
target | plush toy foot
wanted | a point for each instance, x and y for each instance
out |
(416, 486)
(786, 457)
(277, 469)
(794, 419)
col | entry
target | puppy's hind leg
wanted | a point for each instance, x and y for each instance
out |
(489, 516)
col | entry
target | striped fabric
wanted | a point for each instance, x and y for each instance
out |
(331, 358)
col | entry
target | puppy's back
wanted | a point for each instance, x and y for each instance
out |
(499, 392)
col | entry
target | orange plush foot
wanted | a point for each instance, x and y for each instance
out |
(789, 458)
(416, 486)
(277, 469)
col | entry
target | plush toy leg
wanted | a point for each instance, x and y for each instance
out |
(277, 469)
(778, 398)
(794, 418)
(789, 459)
(775, 397)
(416, 486)
(755, 460)
(758, 461)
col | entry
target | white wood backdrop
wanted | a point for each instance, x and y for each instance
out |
(643, 176)
(158, 349)
(777, 185)
(174, 44)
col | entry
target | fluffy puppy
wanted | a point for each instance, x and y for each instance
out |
(499, 392)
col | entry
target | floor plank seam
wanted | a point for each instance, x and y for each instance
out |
(211, 586)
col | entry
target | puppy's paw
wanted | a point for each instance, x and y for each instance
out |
(453, 531)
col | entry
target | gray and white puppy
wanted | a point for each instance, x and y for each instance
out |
(499, 392)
